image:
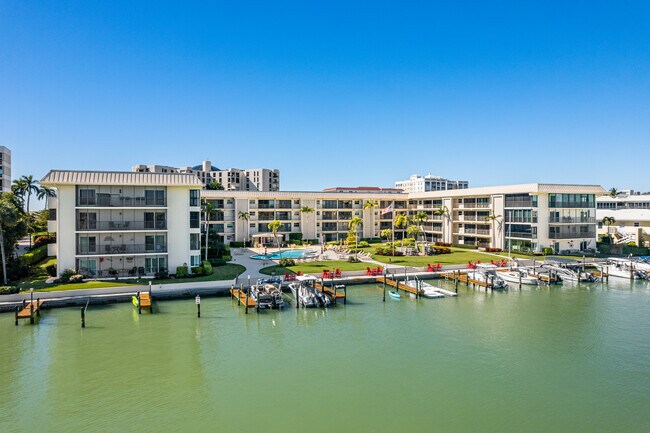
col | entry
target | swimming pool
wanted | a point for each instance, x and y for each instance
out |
(285, 254)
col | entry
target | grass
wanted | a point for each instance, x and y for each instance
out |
(315, 267)
(37, 280)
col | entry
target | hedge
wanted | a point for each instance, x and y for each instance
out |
(295, 237)
(34, 256)
(8, 290)
(207, 267)
(467, 247)
(234, 244)
(181, 271)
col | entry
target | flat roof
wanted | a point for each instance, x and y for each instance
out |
(513, 189)
(76, 177)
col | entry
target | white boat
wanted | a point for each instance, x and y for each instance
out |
(624, 268)
(261, 297)
(265, 291)
(569, 274)
(487, 273)
(306, 294)
(427, 290)
(641, 263)
(519, 276)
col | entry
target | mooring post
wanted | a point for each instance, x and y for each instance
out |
(17, 311)
(198, 306)
(607, 270)
(31, 306)
(519, 280)
(139, 307)
(150, 299)
(384, 286)
(83, 317)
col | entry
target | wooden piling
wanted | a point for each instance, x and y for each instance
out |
(17, 310)
(384, 287)
(139, 307)
(83, 317)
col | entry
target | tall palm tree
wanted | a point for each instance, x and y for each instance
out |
(613, 192)
(401, 221)
(414, 230)
(609, 221)
(274, 226)
(8, 218)
(208, 208)
(354, 225)
(386, 233)
(26, 186)
(369, 205)
(245, 216)
(44, 193)
(419, 219)
(443, 211)
(492, 218)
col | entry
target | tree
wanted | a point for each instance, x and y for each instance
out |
(369, 205)
(354, 225)
(608, 221)
(401, 221)
(386, 233)
(245, 216)
(613, 192)
(442, 211)
(214, 185)
(9, 218)
(25, 187)
(419, 219)
(208, 208)
(274, 226)
(414, 230)
(44, 193)
(492, 218)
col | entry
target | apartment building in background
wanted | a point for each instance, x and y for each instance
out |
(124, 224)
(631, 213)
(417, 183)
(5, 169)
(232, 179)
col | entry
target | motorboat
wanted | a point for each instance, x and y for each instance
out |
(487, 273)
(573, 274)
(519, 276)
(624, 268)
(427, 290)
(641, 263)
(261, 296)
(264, 290)
(306, 294)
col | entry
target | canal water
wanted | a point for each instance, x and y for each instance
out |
(567, 358)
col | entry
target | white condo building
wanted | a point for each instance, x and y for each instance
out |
(631, 212)
(417, 183)
(139, 223)
(124, 224)
(5, 169)
(232, 179)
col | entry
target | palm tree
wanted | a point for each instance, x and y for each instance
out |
(386, 233)
(414, 230)
(45, 192)
(274, 226)
(492, 218)
(443, 211)
(26, 186)
(8, 218)
(370, 205)
(608, 221)
(419, 219)
(401, 221)
(354, 225)
(613, 192)
(244, 216)
(208, 208)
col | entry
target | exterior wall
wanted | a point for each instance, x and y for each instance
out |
(178, 227)
(5, 169)
(65, 228)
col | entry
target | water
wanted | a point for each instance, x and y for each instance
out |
(286, 254)
(538, 360)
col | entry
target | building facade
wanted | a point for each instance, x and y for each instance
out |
(417, 183)
(5, 169)
(121, 224)
(631, 213)
(232, 179)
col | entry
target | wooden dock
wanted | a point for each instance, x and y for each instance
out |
(145, 300)
(29, 310)
(396, 284)
(242, 298)
(463, 278)
(339, 291)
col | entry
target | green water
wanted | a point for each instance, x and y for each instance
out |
(566, 359)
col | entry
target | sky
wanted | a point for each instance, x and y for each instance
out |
(332, 93)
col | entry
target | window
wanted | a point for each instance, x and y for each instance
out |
(86, 197)
(87, 245)
(87, 221)
(195, 261)
(636, 224)
(154, 197)
(88, 266)
(154, 243)
(155, 264)
(194, 197)
(194, 241)
(154, 220)
(195, 220)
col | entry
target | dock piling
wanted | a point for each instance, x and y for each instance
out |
(198, 306)
(83, 317)
(17, 310)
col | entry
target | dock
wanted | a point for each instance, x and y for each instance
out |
(145, 300)
(242, 298)
(29, 310)
(395, 283)
(339, 291)
(461, 277)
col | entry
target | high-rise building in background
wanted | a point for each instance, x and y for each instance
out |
(232, 179)
(417, 183)
(5, 168)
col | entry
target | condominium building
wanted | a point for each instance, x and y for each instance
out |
(232, 179)
(631, 213)
(417, 183)
(526, 217)
(121, 224)
(5, 169)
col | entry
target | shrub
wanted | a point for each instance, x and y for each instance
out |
(35, 255)
(76, 278)
(51, 270)
(295, 238)
(372, 240)
(351, 240)
(388, 252)
(310, 241)
(8, 290)
(547, 251)
(237, 244)
(161, 274)
(441, 250)
(68, 273)
(363, 244)
(207, 267)
(465, 246)
(353, 259)
(442, 244)
(181, 271)
(197, 271)
(44, 240)
(493, 250)
(217, 262)
(285, 262)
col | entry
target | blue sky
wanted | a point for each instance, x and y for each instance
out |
(332, 93)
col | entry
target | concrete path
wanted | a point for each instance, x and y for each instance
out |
(22, 247)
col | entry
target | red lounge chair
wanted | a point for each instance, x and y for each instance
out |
(338, 273)
(368, 272)
(380, 269)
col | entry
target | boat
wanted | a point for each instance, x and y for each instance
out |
(487, 273)
(519, 276)
(427, 290)
(394, 294)
(624, 268)
(268, 291)
(261, 296)
(570, 274)
(641, 263)
(135, 300)
(306, 294)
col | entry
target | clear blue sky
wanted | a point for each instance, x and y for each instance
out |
(333, 93)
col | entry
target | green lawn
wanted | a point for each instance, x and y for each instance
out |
(316, 267)
(37, 280)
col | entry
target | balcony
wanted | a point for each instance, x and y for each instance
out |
(120, 225)
(529, 220)
(121, 249)
(516, 204)
(579, 235)
(116, 200)
(572, 204)
(572, 220)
